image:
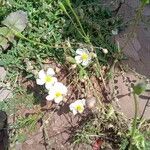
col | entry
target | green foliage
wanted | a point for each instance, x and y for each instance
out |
(21, 137)
(20, 98)
(124, 144)
(107, 126)
(97, 22)
(139, 140)
(27, 122)
(44, 26)
(16, 21)
(23, 126)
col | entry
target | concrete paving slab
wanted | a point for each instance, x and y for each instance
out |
(125, 98)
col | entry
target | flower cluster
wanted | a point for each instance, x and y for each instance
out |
(57, 90)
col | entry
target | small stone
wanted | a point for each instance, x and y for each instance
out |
(91, 102)
(29, 142)
(73, 66)
(18, 146)
(5, 93)
(2, 73)
(57, 70)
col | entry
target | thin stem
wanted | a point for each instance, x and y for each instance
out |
(134, 120)
(78, 21)
(74, 25)
(95, 93)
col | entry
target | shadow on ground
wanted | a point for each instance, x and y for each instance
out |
(4, 138)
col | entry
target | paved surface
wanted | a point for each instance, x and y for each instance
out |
(124, 99)
(137, 44)
(136, 47)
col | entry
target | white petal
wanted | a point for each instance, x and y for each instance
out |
(83, 102)
(64, 90)
(50, 97)
(79, 102)
(52, 91)
(54, 79)
(85, 50)
(86, 63)
(74, 112)
(72, 108)
(49, 85)
(58, 86)
(78, 59)
(81, 51)
(40, 81)
(58, 99)
(50, 72)
(42, 74)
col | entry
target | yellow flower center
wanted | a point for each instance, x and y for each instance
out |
(79, 108)
(58, 94)
(48, 79)
(84, 56)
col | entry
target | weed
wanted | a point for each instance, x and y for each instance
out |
(96, 22)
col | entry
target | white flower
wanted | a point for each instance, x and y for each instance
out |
(83, 56)
(77, 106)
(57, 92)
(105, 51)
(46, 78)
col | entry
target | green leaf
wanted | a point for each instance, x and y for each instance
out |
(139, 88)
(5, 36)
(16, 20)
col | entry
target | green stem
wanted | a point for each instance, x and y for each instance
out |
(134, 121)
(95, 92)
(78, 21)
(74, 24)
